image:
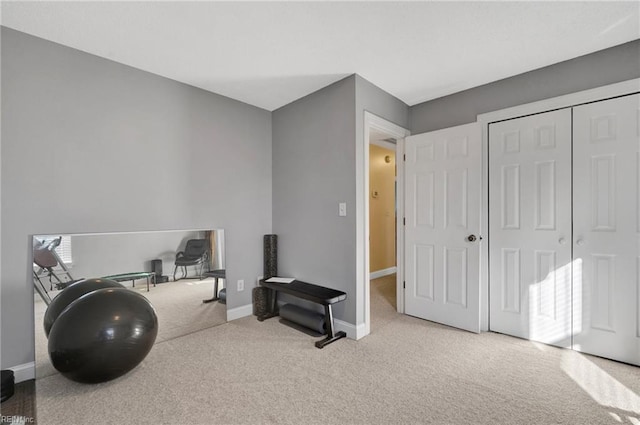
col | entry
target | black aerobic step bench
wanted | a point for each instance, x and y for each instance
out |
(314, 293)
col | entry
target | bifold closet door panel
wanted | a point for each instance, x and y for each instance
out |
(530, 227)
(607, 228)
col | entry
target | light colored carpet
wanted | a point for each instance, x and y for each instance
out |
(408, 371)
(178, 305)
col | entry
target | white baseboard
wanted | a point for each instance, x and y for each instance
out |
(361, 331)
(352, 331)
(383, 272)
(24, 372)
(239, 312)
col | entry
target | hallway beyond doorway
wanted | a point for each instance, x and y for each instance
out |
(383, 301)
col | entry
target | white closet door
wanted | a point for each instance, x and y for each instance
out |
(530, 227)
(442, 208)
(607, 228)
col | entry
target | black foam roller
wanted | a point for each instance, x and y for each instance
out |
(303, 317)
(270, 256)
(260, 297)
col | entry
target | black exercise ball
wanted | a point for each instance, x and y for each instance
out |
(72, 293)
(102, 335)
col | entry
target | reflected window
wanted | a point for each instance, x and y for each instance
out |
(63, 250)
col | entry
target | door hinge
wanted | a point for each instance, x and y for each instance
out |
(404, 221)
(404, 284)
(404, 156)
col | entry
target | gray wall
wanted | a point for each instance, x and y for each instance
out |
(104, 254)
(90, 145)
(608, 66)
(314, 142)
(372, 99)
(115, 253)
(313, 170)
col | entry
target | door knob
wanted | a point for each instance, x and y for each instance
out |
(580, 242)
(471, 238)
(562, 241)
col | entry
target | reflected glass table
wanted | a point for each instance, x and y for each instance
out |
(150, 276)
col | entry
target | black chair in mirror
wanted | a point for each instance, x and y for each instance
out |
(196, 253)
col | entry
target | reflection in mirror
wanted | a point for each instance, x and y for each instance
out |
(145, 262)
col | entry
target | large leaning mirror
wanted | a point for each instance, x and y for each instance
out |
(180, 272)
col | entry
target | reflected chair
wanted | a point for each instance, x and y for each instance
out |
(196, 253)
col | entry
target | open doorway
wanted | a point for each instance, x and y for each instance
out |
(382, 243)
(382, 225)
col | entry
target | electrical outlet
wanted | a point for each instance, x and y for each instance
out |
(342, 209)
(240, 285)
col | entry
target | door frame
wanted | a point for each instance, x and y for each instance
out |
(363, 292)
(566, 101)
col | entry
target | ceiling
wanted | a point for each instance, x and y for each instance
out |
(269, 54)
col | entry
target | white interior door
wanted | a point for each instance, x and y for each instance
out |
(607, 228)
(442, 209)
(530, 227)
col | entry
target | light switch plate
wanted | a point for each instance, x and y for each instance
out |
(342, 209)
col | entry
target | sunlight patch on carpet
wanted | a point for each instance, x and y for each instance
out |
(601, 387)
